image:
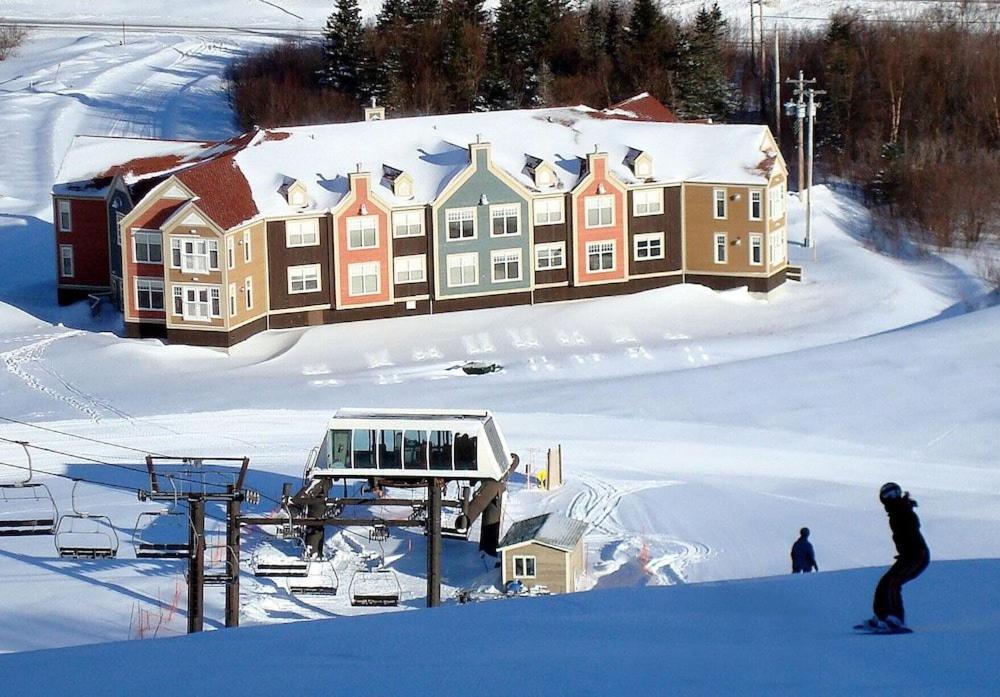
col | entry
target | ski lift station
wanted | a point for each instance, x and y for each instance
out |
(412, 445)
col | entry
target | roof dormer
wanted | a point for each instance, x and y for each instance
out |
(542, 173)
(640, 162)
(399, 181)
(295, 193)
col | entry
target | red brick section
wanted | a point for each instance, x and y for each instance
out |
(89, 238)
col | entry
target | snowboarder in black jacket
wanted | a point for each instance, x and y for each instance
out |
(911, 559)
(803, 556)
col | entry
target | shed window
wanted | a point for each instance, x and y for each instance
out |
(441, 447)
(364, 448)
(340, 449)
(524, 567)
(465, 451)
(415, 450)
(390, 450)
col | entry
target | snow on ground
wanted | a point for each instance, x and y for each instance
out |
(700, 430)
(787, 635)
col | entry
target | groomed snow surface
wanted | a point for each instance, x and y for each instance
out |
(700, 430)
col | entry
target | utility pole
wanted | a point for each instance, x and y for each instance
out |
(196, 565)
(777, 89)
(797, 109)
(813, 104)
(434, 541)
(233, 559)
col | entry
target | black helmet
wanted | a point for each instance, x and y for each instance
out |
(889, 492)
(804, 532)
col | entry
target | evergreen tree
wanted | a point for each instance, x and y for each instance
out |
(704, 89)
(593, 36)
(843, 63)
(464, 51)
(344, 49)
(645, 25)
(514, 61)
(423, 11)
(614, 47)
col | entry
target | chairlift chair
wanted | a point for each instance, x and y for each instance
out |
(280, 558)
(375, 588)
(320, 579)
(151, 539)
(83, 535)
(379, 532)
(26, 507)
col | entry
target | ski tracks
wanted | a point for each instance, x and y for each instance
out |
(26, 362)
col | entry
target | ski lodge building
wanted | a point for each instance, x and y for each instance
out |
(211, 242)
(546, 550)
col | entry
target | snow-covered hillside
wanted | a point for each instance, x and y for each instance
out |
(771, 636)
(700, 430)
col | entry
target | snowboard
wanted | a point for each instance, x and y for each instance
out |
(868, 629)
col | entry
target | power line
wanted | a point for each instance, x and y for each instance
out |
(71, 478)
(886, 20)
(74, 435)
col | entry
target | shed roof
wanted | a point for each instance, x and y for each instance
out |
(550, 529)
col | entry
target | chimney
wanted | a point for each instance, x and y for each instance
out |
(374, 112)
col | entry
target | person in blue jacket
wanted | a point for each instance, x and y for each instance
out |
(803, 555)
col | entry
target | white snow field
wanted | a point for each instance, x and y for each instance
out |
(700, 430)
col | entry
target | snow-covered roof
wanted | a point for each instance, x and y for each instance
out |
(550, 529)
(433, 149)
(91, 162)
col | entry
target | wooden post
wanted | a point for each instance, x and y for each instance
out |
(196, 564)
(434, 542)
(233, 559)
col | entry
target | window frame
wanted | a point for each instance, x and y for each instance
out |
(247, 247)
(135, 245)
(150, 283)
(524, 559)
(248, 292)
(720, 199)
(548, 247)
(63, 258)
(757, 194)
(68, 212)
(587, 207)
(467, 210)
(449, 266)
(657, 193)
(725, 247)
(560, 200)
(495, 254)
(351, 276)
(649, 237)
(355, 223)
(303, 270)
(213, 295)
(408, 260)
(233, 304)
(600, 255)
(502, 211)
(314, 232)
(755, 241)
(418, 213)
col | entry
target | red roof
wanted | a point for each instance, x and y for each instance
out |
(224, 193)
(643, 107)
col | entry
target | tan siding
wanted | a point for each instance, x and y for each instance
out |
(701, 227)
(177, 276)
(256, 269)
(550, 566)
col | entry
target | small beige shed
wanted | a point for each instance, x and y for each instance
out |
(546, 550)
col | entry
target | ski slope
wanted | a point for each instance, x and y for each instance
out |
(788, 635)
(700, 431)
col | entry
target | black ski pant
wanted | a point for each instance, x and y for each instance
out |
(889, 591)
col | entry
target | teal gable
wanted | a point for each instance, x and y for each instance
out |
(503, 261)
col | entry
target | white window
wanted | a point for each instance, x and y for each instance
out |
(118, 226)
(302, 233)
(362, 232)
(230, 253)
(776, 246)
(304, 279)
(600, 256)
(175, 253)
(412, 269)
(197, 303)
(649, 246)
(600, 210)
(148, 294)
(551, 255)
(719, 204)
(506, 265)
(248, 291)
(463, 270)
(65, 217)
(147, 247)
(647, 202)
(364, 278)
(408, 223)
(66, 269)
(776, 201)
(196, 255)
(720, 248)
(756, 204)
(524, 567)
(247, 253)
(505, 220)
(232, 299)
(756, 249)
(461, 223)
(549, 211)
